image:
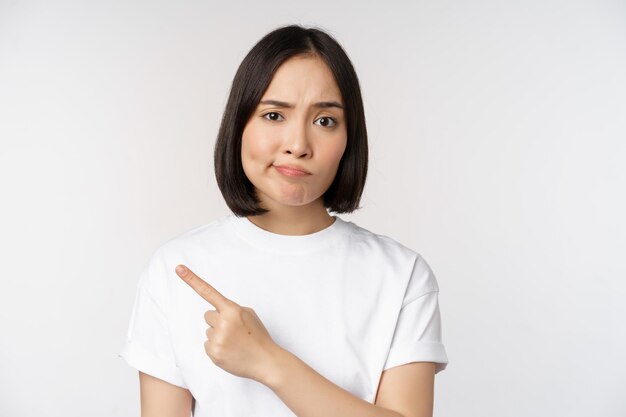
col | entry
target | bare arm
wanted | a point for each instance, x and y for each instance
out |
(308, 394)
(162, 399)
(408, 389)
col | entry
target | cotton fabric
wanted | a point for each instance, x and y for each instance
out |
(348, 302)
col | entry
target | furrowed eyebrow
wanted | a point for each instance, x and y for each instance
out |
(321, 104)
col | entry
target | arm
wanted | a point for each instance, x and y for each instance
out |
(162, 399)
(309, 394)
(408, 389)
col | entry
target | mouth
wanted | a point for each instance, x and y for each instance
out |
(291, 171)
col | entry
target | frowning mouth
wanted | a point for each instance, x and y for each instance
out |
(291, 170)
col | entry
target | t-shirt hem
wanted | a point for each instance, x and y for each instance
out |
(418, 352)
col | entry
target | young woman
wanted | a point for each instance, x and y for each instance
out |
(280, 308)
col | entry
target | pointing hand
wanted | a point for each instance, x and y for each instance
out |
(237, 340)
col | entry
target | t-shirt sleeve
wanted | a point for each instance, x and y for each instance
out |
(148, 345)
(417, 336)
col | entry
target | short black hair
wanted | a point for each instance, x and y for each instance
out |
(250, 82)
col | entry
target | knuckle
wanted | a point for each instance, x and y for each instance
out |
(216, 350)
(234, 310)
(206, 291)
(242, 313)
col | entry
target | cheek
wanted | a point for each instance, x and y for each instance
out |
(333, 153)
(255, 146)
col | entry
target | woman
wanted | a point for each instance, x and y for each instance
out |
(280, 308)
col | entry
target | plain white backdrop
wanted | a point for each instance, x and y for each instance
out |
(497, 151)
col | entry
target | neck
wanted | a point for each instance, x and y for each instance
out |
(294, 220)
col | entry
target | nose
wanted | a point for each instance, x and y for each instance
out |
(297, 140)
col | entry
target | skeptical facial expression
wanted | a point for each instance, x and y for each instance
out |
(299, 122)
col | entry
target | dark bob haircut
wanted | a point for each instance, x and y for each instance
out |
(250, 82)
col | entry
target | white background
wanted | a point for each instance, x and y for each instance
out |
(498, 150)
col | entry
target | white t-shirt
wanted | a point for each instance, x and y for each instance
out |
(348, 302)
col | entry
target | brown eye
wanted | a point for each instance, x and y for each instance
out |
(327, 120)
(271, 118)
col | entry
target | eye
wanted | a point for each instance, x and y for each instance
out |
(271, 118)
(327, 119)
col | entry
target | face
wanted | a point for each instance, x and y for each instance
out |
(297, 132)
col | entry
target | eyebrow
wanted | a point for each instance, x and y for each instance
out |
(320, 104)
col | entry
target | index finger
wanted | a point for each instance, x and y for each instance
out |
(203, 288)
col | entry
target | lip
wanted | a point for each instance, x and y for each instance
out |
(291, 170)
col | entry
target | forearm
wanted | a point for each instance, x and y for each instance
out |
(309, 394)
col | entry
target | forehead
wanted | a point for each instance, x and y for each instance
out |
(301, 76)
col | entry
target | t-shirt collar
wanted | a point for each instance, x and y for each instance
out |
(275, 242)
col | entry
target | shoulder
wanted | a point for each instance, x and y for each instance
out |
(198, 241)
(404, 260)
(382, 245)
(185, 247)
(199, 236)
